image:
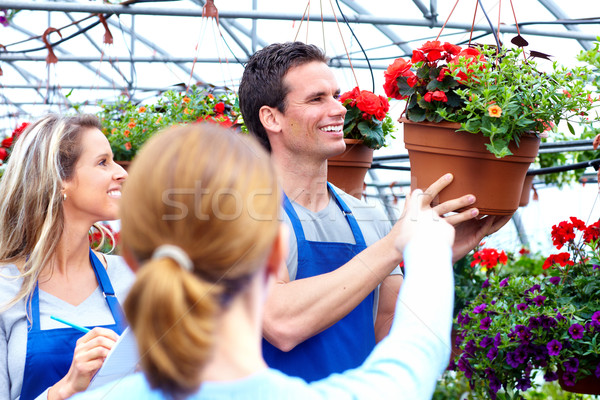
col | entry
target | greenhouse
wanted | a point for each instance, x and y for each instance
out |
(211, 114)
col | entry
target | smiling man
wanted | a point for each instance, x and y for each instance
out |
(336, 297)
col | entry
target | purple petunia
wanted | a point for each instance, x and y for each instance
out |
(576, 331)
(596, 319)
(521, 354)
(485, 284)
(522, 306)
(595, 266)
(548, 322)
(485, 323)
(493, 352)
(497, 339)
(504, 282)
(597, 372)
(539, 300)
(465, 366)
(523, 384)
(550, 376)
(534, 322)
(554, 347)
(470, 347)
(571, 365)
(534, 288)
(511, 360)
(479, 309)
(555, 280)
(485, 342)
(568, 378)
(559, 317)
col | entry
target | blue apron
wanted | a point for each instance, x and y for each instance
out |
(50, 352)
(347, 343)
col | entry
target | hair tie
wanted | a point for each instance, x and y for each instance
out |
(175, 253)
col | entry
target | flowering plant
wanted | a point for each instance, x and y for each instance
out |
(519, 326)
(7, 143)
(501, 95)
(127, 126)
(367, 118)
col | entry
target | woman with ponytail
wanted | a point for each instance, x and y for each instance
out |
(201, 224)
(60, 181)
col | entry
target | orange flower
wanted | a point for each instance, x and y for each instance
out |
(186, 111)
(494, 111)
(186, 100)
(158, 120)
(131, 124)
(210, 96)
(113, 130)
(142, 109)
(127, 146)
(566, 93)
(126, 133)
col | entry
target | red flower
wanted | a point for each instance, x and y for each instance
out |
(524, 251)
(19, 130)
(562, 233)
(562, 259)
(489, 258)
(577, 223)
(352, 94)
(398, 68)
(6, 143)
(417, 56)
(433, 50)
(438, 95)
(473, 56)
(3, 153)
(372, 104)
(442, 74)
(220, 107)
(592, 232)
(452, 48)
(127, 146)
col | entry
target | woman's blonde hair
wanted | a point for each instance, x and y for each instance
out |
(31, 210)
(214, 194)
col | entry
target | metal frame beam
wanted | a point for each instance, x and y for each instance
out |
(358, 19)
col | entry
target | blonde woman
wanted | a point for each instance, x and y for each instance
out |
(60, 180)
(207, 237)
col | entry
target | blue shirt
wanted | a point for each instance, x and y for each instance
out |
(406, 364)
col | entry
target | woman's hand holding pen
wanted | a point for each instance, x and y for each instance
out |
(89, 355)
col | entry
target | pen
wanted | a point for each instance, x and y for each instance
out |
(79, 328)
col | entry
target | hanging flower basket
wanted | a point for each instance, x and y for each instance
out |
(347, 171)
(438, 148)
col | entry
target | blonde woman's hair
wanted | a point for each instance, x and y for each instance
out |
(214, 194)
(31, 210)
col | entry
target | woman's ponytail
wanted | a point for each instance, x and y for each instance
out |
(174, 327)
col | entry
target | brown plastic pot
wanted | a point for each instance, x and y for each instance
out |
(497, 183)
(588, 385)
(347, 170)
(526, 193)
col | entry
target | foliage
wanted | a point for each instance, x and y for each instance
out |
(367, 118)
(128, 126)
(502, 94)
(519, 326)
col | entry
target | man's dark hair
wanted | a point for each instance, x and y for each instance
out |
(262, 81)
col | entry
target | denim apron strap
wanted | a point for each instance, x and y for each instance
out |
(50, 352)
(347, 343)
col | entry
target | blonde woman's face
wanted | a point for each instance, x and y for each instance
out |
(94, 191)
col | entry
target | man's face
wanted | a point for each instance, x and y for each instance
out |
(314, 119)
